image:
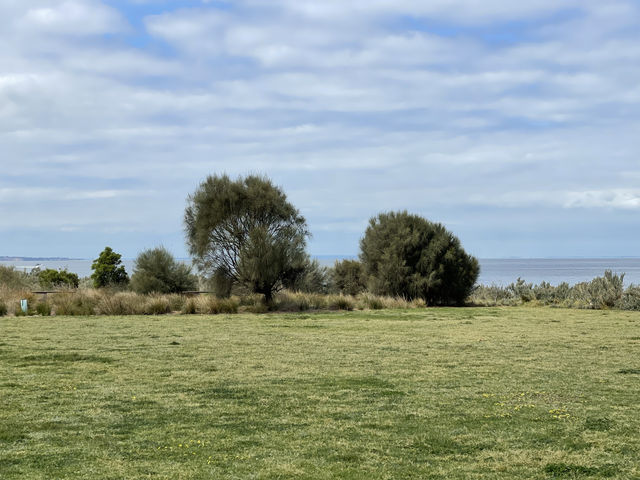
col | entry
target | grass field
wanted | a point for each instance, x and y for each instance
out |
(511, 393)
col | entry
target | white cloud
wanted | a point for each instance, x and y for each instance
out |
(72, 17)
(353, 107)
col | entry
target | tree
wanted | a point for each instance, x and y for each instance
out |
(108, 271)
(348, 277)
(407, 255)
(157, 271)
(245, 230)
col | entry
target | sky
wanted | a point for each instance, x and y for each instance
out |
(515, 124)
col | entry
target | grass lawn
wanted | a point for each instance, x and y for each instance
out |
(513, 393)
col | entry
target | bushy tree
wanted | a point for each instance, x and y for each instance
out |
(51, 278)
(312, 278)
(245, 230)
(348, 277)
(409, 256)
(108, 271)
(157, 271)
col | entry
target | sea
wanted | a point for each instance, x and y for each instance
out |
(493, 271)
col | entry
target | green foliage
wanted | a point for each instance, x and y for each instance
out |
(221, 283)
(601, 292)
(157, 271)
(348, 277)
(43, 308)
(50, 278)
(312, 278)
(246, 231)
(108, 271)
(630, 299)
(13, 279)
(406, 255)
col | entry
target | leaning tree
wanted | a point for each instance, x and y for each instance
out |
(246, 232)
(409, 256)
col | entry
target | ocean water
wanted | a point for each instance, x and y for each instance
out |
(492, 271)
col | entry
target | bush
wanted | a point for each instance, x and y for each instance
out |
(407, 256)
(80, 303)
(157, 306)
(630, 299)
(190, 307)
(341, 302)
(215, 306)
(312, 278)
(601, 292)
(348, 277)
(3, 309)
(121, 303)
(12, 279)
(43, 308)
(50, 278)
(156, 271)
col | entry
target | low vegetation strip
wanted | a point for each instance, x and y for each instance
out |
(491, 393)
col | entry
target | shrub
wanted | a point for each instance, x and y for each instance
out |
(215, 306)
(3, 309)
(522, 290)
(157, 305)
(156, 271)
(372, 302)
(408, 256)
(341, 302)
(312, 278)
(492, 295)
(12, 279)
(121, 303)
(50, 278)
(43, 308)
(80, 303)
(601, 292)
(348, 277)
(630, 299)
(190, 307)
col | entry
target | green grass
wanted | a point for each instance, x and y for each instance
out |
(508, 393)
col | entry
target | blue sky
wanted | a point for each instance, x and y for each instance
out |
(514, 124)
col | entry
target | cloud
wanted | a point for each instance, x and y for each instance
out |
(72, 17)
(445, 108)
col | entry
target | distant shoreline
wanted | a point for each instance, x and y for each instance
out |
(37, 259)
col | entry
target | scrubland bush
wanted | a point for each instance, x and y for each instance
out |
(408, 256)
(157, 305)
(312, 278)
(601, 292)
(121, 303)
(214, 305)
(79, 303)
(348, 277)
(340, 302)
(156, 271)
(12, 279)
(43, 308)
(50, 278)
(630, 299)
(3, 309)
